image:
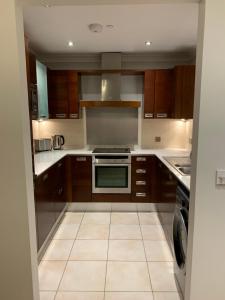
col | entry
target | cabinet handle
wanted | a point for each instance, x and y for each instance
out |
(60, 191)
(59, 165)
(141, 158)
(140, 194)
(163, 115)
(141, 171)
(60, 116)
(45, 177)
(148, 115)
(73, 116)
(81, 158)
(139, 182)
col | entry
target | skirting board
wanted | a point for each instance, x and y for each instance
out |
(114, 207)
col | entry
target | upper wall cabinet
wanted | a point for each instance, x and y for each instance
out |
(184, 80)
(63, 96)
(158, 94)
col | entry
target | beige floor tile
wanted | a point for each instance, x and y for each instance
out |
(162, 277)
(89, 250)
(80, 296)
(167, 296)
(128, 296)
(127, 276)
(47, 295)
(93, 232)
(153, 232)
(66, 232)
(126, 250)
(124, 218)
(72, 218)
(50, 274)
(166, 218)
(157, 251)
(58, 250)
(122, 232)
(149, 218)
(84, 276)
(96, 218)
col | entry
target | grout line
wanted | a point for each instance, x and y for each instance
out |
(146, 257)
(68, 257)
(107, 258)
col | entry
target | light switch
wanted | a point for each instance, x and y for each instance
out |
(220, 177)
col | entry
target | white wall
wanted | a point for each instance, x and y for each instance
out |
(18, 253)
(206, 263)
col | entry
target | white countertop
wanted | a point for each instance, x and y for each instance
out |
(44, 160)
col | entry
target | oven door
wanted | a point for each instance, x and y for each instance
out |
(111, 178)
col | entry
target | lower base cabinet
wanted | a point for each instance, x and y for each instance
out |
(50, 199)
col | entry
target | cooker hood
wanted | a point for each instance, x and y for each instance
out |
(111, 65)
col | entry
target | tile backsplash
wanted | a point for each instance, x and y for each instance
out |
(171, 133)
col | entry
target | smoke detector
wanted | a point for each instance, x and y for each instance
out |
(95, 27)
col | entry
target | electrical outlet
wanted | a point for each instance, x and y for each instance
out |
(158, 139)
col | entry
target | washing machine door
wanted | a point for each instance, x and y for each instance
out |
(180, 235)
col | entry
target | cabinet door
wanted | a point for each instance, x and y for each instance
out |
(32, 68)
(45, 205)
(184, 85)
(42, 89)
(73, 86)
(149, 94)
(58, 94)
(166, 184)
(81, 167)
(60, 188)
(188, 92)
(163, 94)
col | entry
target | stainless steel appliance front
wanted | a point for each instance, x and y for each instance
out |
(111, 174)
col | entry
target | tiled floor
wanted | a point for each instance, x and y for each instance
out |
(109, 256)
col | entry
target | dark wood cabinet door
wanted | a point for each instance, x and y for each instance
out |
(45, 206)
(63, 95)
(58, 94)
(163, 94)
(166, 184)
(81, 170)
(188, 92)
(149, 94)
(184, 86)
(59, 188)
(73, 87)
(32, 69)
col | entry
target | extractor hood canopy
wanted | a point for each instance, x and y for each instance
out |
(110, 84)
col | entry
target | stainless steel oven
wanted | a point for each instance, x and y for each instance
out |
(111, 174)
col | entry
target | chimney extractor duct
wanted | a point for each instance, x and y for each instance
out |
(111, 82)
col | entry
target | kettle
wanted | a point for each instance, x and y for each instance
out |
(58, 141)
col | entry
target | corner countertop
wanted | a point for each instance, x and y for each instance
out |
(44, 160)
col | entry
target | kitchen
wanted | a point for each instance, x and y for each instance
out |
(111, 139)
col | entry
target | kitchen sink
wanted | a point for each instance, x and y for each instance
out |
(181, 164)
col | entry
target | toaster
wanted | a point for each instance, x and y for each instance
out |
(42, 145)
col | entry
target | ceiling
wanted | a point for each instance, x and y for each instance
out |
(170, 28)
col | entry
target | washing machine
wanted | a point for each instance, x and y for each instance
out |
(180, 234)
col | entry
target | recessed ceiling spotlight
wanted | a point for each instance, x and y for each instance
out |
(148, 43)
(46, 4)
(110, 26)
(70, 44)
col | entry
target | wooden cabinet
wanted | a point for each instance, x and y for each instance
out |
(158, 94)
(63, 95)
(184, 86)
(166, 184)
(143, 179)
(81, 170)
(50, 199)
